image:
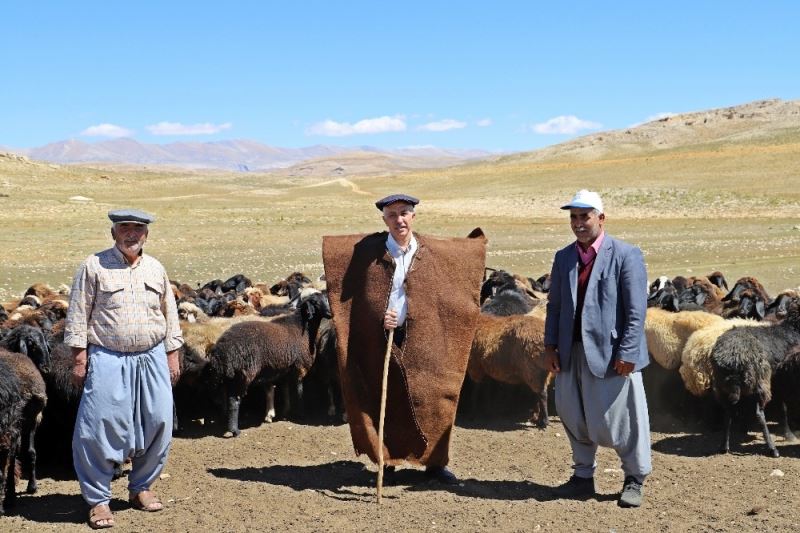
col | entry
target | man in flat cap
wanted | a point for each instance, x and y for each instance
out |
(122, 321)
(595, 344)
(425, 289)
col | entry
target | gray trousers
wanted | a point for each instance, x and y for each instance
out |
(610, 412)
(125, 412)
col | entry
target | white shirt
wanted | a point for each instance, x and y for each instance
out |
(402, 261)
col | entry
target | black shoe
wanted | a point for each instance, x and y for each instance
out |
(632, 492)
(576, 487)
(442, 474)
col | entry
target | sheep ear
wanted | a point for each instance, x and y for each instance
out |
(673, 304)
(760, 311)
(307, 309)
(700, 298)
(734, 292)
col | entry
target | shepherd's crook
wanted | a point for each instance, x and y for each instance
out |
(383, 411)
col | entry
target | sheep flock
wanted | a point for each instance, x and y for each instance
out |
(718, 354)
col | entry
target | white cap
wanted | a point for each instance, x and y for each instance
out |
(584, 199)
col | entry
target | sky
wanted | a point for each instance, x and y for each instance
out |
(499, 76)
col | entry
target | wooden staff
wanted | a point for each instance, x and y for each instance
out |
(383, 411)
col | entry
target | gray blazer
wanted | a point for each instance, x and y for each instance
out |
(613, 311)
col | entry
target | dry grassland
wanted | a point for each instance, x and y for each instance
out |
(734, 207)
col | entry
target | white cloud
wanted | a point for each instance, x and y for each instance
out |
(443, 125)
(484, 122)
(565, 125)
(331, 128)
(107, 130)
(176, 128)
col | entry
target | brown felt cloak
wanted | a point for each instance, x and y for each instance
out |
(426, 374)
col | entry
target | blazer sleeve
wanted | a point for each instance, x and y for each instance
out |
(553, 304)
(633, 286)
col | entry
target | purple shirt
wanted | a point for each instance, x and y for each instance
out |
(590, 252)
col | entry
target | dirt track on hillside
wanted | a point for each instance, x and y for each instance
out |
(305, 477)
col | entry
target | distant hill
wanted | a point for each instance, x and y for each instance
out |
(754, 122)
(238, 155)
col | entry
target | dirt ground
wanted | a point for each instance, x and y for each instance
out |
(305, 477)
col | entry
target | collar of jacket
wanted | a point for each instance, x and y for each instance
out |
(419, 254)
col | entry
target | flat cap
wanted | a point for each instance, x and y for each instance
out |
(392, 198)
(130, 215)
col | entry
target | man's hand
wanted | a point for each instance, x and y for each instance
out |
(79, 358)
(551, 362)
(390, 319)
(623, 368)
(174, 366)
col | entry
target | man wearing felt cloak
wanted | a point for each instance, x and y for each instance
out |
(426, 289)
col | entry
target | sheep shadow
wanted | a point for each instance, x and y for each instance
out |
(57, 508)
(336, 479)
(708, 445)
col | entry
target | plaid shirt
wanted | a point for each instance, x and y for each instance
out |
(121, 307)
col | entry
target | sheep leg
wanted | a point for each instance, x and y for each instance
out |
(270, 403)
(765, 430)
(30, 455)
(117, 471)
(4, 470)
(331, 400)
(296, 396)
(234, 401)
(542, 418)
(10, 485)
(788, 434)
(176, 426)
(726, 431)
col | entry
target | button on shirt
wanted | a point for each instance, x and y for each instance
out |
(122, 307)
(402, 262)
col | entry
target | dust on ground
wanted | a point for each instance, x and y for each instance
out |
(305, 477)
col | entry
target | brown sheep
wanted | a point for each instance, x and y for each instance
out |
(509, 349)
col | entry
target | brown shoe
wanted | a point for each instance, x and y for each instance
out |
(145, 500)
(100, 516)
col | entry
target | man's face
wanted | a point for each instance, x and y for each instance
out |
(586, 224)
(129, 238)
(399, 218)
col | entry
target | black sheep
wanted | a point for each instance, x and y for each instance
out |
(31, 341)
(743, 360)
(741, 370)
(257, 351)
(11, 407)
(34, 395)
(508, 301)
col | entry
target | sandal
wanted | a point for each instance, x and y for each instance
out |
(146, 500)
(101, 513)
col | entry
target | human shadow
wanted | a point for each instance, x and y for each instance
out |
(336, 479)
(57, 508)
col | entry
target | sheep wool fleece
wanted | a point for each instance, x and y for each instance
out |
(427, 371)
(125, 411)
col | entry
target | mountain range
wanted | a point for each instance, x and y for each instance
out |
(240, 154)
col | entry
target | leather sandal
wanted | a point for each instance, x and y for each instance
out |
(146, 500)
(101, 513)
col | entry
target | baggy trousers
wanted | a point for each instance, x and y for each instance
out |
(610, 412)
(125, 412)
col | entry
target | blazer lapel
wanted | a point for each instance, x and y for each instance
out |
(572, 271)
(602, 259)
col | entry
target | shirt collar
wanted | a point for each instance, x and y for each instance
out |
(394, 248)
(124, 260)
(593, 249)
